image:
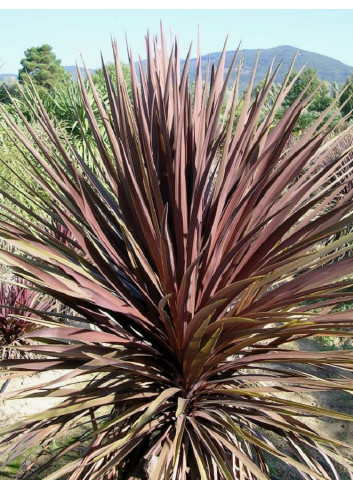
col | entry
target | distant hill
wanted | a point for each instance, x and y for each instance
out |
(328, 69)
(7, 76)
(69, 69)
(73, 71)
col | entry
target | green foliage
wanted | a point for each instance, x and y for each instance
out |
(270, 99)
(310, 78)
(67, 108)
(5, 88)
(319, 103)
(331, 343)
(99, 78)
(347, 97)
(42, 66)
(15, 177)
(307, 82)
(12, 469)
(198, 249)
(272, 94)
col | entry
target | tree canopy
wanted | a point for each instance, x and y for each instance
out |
(99, 80)
(348, 94)
(41, 64)
(322, 98)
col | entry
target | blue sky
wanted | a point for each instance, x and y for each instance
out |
(327, 32)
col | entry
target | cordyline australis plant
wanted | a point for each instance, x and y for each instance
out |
(199, 252)
(17, 298)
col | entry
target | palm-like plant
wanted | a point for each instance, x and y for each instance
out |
(67, 106)
(200, 255)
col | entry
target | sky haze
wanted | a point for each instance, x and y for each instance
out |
(327, 32)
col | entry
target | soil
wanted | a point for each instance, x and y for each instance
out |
(15, 409)
(333, 400)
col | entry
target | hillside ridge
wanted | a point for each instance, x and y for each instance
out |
(329, 69)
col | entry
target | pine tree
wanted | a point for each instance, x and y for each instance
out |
(41, 64)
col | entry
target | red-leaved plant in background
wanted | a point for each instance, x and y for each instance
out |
(18, 299)
(201, 256)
